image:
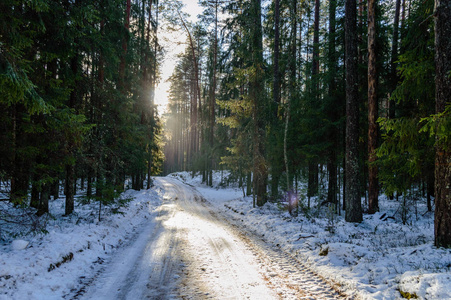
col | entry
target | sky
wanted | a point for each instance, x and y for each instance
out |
(173, 45)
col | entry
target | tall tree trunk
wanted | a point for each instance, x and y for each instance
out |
(70, 167)
(143, 103)
(149, 170)
(249, 184)
(293, 90)
(331, 109)
(430, 180)
(55, 188)
(213, 96)
(257, 97)
(403, 19)
(344, 174)
(70, 174)
(196, 97)
(373, 189)
(442, 220)
(353, 201)
(34, 200)
(16, 193)
(285, 145)
(299, 54)
(313, 165)
(276, 75)
(360, 18)
(99, 183)
(312, 189)
(44, 200)
(124, 45)
(153, 77)
(89, 185)
(274, 125)
(394, 58)
(14, 171)
(154, 62)
(315, 61)
(19, 172)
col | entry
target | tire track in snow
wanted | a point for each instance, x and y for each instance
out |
(144, 269)
(215, 257)
(286, 275)
(283, 270)
(219, 265)
(221, 247)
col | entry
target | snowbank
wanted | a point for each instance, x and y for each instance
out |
(52, 265)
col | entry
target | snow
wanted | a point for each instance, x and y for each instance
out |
(19, 244)
(375, 259)
(73, 246)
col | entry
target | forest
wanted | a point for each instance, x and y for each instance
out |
(352, 96)
(77, 81)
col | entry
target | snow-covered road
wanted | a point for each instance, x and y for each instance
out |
(191, 252)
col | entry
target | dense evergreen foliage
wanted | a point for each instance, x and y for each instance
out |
(76, 93)
(363, 118)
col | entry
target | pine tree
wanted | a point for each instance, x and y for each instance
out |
(373, 190)
(332, 106)
(442, 221)
(353, 202)
(393, 60)
(256, 94)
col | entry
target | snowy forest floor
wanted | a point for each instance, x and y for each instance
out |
(376, 259)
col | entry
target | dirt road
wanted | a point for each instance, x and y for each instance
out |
(190, 252)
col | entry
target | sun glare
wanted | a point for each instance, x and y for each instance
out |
(161, 97)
